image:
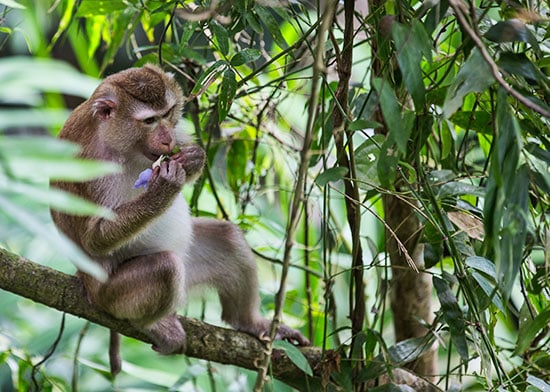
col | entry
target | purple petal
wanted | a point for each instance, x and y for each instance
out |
(143, 178)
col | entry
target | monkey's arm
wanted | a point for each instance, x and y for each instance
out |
(102, 235)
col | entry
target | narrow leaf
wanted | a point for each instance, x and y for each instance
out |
(12, 4)
(332, 174)
(294, 355)
(208, 76)
(99, 7)
(245, 56)
(474, 76)
(411, 42)
(273, 26)
(538, 383)
(35, 226)
(482, 264)
(534, 327)
(227, 93)
(452, 314)
(392, 113)
(221, 36)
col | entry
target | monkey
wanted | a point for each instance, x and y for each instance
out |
(153, 251)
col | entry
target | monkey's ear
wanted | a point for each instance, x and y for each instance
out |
(104, 107)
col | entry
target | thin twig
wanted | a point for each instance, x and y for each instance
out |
(456, 5)
(48, 355)
(318, 70)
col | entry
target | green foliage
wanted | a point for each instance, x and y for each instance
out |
(427, 122)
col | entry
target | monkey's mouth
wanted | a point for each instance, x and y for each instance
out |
(151, 156)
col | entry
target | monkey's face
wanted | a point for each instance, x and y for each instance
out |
(158, 132)
(138, 111)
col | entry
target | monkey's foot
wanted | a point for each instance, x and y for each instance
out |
(168, 336)
(286, 333)
(261, 331)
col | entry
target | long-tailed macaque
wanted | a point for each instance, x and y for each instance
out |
(153, 251)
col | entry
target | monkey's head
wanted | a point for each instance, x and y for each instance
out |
(137, 111)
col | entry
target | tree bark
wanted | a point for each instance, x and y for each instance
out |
(204, 341)
(411, 291)
(65, 293)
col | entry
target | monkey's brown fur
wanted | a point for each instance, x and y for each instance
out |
(153, 251)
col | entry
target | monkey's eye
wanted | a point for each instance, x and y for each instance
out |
(149, 120)
(168, 113)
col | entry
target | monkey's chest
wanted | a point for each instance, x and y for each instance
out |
(170, 231)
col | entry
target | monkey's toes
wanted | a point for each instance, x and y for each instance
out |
(291, 335)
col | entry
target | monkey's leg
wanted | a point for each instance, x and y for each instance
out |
(220, 257)
(146, 290)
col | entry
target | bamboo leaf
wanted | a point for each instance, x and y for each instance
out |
(272, 25)
(399, 129)
(89, 8)
(245, 56)
(227, 93)
(474, 76)
(542, 385)
(412, 43)
(534, 327)
(220, 35)
(294, 355)
(453, 316)
(12, 4)
(402, 352)
(366, 161)
(332, 174)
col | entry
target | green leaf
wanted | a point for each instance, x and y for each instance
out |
(294, 355)
(532, 329)
(361, 124)
(332, 174)
(220, 35)
(519, 64)
(25, 79)
(401, 353)
(456, 188)
(489, 288)
(479, 121)
(227, 93)
(507, 31)
(366, 162)
(391, 110)
(453, 316)
(208, 76)
(474, 76)
(45, 158)
(56, 199)
(89, 8)
(482, 264)
(31, 223)
(245, 56)
(388, 160)
(12, 4)
(542, 385)
(412, 43)
(273, 26)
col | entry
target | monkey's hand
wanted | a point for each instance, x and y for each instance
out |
(168, 175)
(192, 158)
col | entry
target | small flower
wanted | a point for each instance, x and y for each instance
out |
(143, 178)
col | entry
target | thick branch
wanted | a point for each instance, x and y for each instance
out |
(65, 293)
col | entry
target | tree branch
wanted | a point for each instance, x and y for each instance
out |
(65, 293)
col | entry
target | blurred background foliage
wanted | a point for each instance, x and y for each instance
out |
(447, 108)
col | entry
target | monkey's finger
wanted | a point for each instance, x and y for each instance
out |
(179, 157)
(154, 175)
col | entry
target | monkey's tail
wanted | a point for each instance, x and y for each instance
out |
(114, 353)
